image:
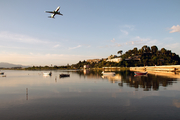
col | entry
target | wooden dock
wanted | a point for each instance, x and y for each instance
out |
(163, 68)
(172, 71)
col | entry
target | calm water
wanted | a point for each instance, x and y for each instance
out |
(28, 95)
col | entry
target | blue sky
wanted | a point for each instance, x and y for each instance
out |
(88, 29)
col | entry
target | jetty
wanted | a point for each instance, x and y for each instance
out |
(164, 70)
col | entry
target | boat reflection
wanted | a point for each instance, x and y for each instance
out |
(64, 75)
(113, 78)
(89, 73)
(126, 78)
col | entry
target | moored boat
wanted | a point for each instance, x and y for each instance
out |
(50, 73)
(64, 75)
(1, 73)
(108, 73)
(140, 73)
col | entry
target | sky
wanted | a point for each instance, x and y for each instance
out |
(88, 29)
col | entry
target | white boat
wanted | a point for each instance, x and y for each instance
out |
(50, 73)
(108, 73)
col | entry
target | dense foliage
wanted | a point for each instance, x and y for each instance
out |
(146, 56)
(150, 56)
(48, 67)
(100, 64)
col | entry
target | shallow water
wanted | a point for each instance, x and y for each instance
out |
(86, 95)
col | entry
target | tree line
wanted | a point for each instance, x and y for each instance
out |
(145, 56)
(150, 56)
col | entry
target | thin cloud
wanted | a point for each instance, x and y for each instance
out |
(141, 39)
(131, 27)
(118, 45)
(134, 41)
(75, 47)
(124, 32)
(175, 29)
(113, 40)
(19, 38)
(13, 47)
(88, 46)
(138, 41)
(56, 46)
(172, 46)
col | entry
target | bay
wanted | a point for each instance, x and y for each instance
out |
(87, 95)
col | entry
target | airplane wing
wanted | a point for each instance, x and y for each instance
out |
(59, 14)
(53, 15)
(49, 11)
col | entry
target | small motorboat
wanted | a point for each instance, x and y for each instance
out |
(140, 73)
(50, 73)
(108, 73)
(1, 73)
(64, 75)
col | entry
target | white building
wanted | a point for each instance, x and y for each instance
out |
(114, 60)
(86, 66)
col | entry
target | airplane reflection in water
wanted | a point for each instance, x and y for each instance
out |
(147, 83)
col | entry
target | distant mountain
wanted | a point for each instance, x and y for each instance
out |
(9, 65)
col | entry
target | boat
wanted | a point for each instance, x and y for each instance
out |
(64, 75)
(108, 73)
(140, 73)
(50, 73)
(1, 73)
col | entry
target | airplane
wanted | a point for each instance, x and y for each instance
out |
(54, 12)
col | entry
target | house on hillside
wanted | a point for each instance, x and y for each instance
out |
(86, 66)
(135, 58)
(114, 60)
(112, 56)
(93, 60)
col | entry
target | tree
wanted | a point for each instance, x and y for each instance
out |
(163, 51)
(120, 52)
(154, 49)
(135, 50)
(144, 48)
(148, 50)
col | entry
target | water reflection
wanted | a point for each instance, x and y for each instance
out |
(113, 78)
(146, 82)
(30, 95)
(176, 103)
(26, 93)
(89, 73)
